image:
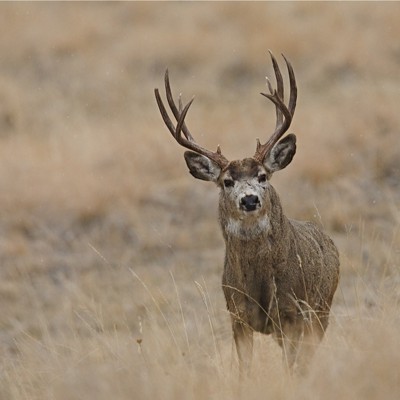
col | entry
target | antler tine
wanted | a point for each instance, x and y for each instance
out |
(187, 139)
(280, 90)
(176, 132)
(293, 87)
(284, 114)
(173, 107)
(164, 113)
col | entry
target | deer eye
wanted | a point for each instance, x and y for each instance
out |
(262, 178)
(229, 182)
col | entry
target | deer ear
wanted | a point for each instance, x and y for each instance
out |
(281, 154)
(202, 167)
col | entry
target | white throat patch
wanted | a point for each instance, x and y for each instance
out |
(247, 228)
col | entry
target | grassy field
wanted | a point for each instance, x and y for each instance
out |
(110, 252)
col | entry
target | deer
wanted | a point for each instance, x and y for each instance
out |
(280, 275)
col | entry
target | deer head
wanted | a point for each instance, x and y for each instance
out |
(243, 183)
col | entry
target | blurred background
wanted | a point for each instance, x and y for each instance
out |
(110, 252)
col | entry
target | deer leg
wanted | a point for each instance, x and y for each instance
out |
(289, 338)
(306, 352)
(299, 342)
(313, 333)
(290, 349)
(243, 336)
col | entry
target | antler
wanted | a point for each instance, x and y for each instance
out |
(187, 139)
(284, 114)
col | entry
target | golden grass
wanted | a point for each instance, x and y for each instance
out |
(110, 253)
(182, 349)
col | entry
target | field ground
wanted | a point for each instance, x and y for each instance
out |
(110, 253)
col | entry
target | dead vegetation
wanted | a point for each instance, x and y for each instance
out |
(110, 254)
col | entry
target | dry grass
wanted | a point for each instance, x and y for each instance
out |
(110, 258)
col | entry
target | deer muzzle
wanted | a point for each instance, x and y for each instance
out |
(249, 203)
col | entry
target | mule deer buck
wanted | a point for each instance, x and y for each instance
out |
(280, 275)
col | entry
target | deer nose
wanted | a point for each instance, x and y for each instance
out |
(249, 202)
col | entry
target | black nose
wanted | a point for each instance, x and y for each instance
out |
(249, 202)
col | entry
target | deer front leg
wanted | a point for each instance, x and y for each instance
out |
(289, 338)
(243, 336)
(313, 333)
